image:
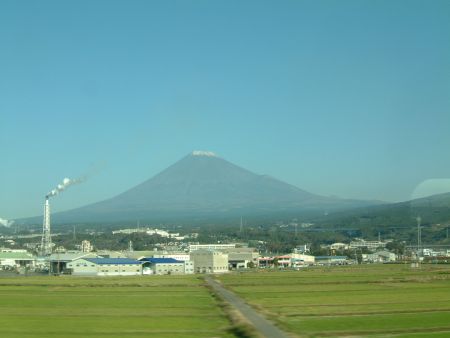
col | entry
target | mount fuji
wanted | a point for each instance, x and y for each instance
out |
(203, 185)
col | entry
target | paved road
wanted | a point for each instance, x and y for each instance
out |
(261, 324)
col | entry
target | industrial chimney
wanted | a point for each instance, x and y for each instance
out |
(46, 243)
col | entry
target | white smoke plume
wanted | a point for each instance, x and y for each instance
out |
(67, 182)
(5, 222)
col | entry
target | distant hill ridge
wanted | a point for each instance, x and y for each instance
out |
(432, 209)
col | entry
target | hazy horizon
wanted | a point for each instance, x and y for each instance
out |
(350, 99)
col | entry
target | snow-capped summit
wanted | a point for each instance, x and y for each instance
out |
(203, 153)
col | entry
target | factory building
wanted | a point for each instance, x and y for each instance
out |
(182, 257)
(241, 258)
(105, 267)
(179, 256)
(14, 259)
(333, 260)
(209, 261)
(164, 266)
(371, 245)
(299, 260)
(217, 246)
(379, 257)
(138, 255)
(58, 262)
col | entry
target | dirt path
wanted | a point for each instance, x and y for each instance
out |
(261, 324)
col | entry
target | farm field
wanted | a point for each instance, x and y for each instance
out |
(363, 301)
(125, 307)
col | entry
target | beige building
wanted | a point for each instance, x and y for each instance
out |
(209, 261)
(163, 266)
(86, 246)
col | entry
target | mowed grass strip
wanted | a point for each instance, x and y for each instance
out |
(103, 307)
(344, 301)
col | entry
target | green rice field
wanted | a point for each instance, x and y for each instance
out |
(125, 307)
(358, 301)
(355, 301)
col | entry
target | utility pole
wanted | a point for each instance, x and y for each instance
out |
(419, 235)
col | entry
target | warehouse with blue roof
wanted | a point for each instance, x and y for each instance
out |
(105, 267)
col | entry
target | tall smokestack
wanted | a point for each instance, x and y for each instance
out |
(46, 243)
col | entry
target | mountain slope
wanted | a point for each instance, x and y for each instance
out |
(199, 182)
(204, 184)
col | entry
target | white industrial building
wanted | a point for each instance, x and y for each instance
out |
(16, 258)
(339, 246)
(166, 266)
(179, 256)
(149, 231)
(371, 245)
(379, 257)
(333, 260)
(138, 255)
(299, 260)
(104, 267)
(217, 246)
(209, 261)
(58, 261)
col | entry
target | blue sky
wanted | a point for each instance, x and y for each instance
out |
(346, 98)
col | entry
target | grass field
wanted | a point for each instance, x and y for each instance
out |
(364, 301)
(126, 307)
